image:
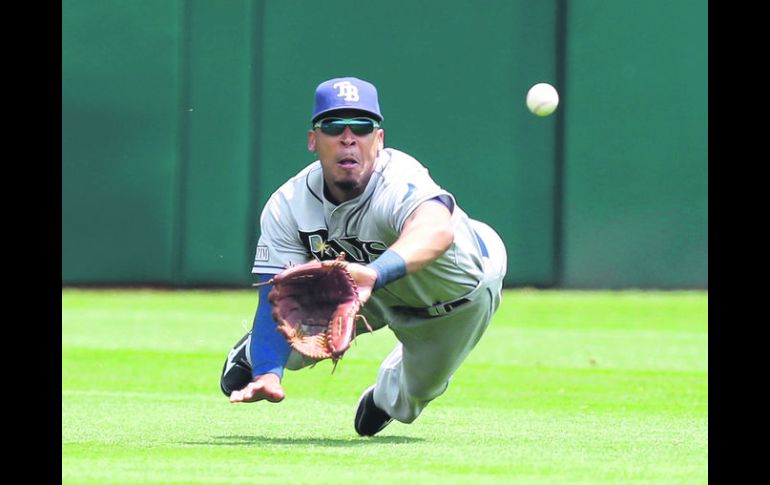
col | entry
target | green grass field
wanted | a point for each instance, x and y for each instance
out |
(565, 387)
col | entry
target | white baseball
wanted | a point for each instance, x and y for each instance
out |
(542, 99)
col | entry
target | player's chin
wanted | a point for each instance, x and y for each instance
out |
(347, 184)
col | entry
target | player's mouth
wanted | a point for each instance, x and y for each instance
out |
(347, 163)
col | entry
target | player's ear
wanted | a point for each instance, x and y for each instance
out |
(380, 139)
(311, 140)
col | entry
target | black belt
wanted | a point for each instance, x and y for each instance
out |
(436, 310)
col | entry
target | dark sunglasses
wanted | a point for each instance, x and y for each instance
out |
(335, 126)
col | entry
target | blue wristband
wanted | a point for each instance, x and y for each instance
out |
(390, 266)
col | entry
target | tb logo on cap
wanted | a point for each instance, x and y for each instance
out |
(349, 91)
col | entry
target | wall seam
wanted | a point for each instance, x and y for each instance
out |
(180, 219)
(559, 141)
(257, 14)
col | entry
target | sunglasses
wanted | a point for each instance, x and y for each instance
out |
(335, 126)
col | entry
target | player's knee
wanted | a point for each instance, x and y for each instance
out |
(425, 394)
(406, 418)
(414, 403)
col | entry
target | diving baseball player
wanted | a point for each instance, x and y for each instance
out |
(423, 268)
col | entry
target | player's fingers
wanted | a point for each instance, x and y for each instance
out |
(259, 390)
(271, 391)
(275, 393)
(247, 394)
(253, 392)
(365, 279)
(364, 292)
(236, 396)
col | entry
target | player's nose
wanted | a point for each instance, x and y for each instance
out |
(347, 137)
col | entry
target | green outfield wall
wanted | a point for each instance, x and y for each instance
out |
(180, 117)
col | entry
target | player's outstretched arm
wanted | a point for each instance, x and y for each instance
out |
(269, 352)
(426, 235)
(267, 386)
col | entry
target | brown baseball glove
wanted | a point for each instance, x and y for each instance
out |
(316, 306)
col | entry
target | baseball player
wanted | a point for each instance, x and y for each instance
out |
(422, 266)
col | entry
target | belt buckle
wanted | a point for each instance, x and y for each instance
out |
(437, 311)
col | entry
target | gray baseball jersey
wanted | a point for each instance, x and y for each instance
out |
(452, 300)
(298, 224)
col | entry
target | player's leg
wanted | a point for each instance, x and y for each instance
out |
(419, 368)
(429, 352)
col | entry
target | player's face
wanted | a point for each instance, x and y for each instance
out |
(347, 158)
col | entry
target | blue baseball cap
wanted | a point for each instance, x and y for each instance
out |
(346, 93)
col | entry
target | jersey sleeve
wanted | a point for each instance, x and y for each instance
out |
(279, 245)
(403, 194)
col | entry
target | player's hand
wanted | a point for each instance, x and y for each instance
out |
(365, 279)
(266, 386)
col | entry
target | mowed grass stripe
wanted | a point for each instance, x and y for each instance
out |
(621, 397)
(173, 440)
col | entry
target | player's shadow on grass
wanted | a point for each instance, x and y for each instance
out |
(238, 440)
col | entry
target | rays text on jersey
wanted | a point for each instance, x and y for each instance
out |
(321, 247)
